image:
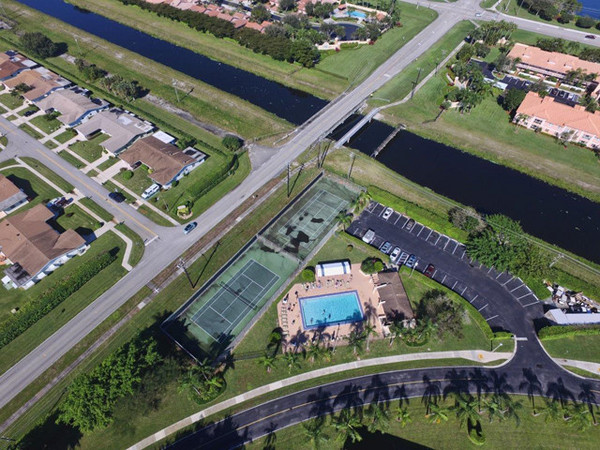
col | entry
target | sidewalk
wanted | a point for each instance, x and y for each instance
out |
(479, 356)
(583, 365)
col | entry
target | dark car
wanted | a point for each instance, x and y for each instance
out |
(189, 227)
(429, 271)
(412, 262)
(117, 197)
(29, 113)
(590, 36)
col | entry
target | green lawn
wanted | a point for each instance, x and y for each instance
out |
(46, 123)
(77, 219)
(37, 190)
(357, 63)
(401, 85)
(32, 108)
(139, 182)
(532, 433)
(11, 101)
(137, 252)
(582, 348)
(154, 216)
(31, 338)
(42, 169)
(65, 136)
(90, 150)
(487, 132)
(97, 209)
(71, 159)
(30, 131)
(50, 144)
(111, 161)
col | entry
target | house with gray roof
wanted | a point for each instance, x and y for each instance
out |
(73, 105)
(11, 197)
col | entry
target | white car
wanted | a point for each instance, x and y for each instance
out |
(369, 236)
(394, 255)
(151, 191)
(387, 213)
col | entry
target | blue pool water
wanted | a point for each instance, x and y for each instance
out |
(357, 14)
(331, 309)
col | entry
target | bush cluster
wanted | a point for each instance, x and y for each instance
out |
(203, 186)
(48, 300)
(371, 265)
(308, 275)
(556, 332)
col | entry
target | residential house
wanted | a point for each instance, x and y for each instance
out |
(13, 63)
(167, 162)
(11, 197)
(571, 123)
(73, 105)
(552, 64)
(122, 127)
(41, 82)
(34, 248)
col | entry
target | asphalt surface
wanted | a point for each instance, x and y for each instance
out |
(170, 245)
(530, 372)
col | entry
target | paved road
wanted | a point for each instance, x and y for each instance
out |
(168, 248)
(531, 366)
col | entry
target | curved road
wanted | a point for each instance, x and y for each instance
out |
(171, 244)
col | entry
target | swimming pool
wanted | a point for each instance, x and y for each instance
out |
(331, 309)
(357, 14)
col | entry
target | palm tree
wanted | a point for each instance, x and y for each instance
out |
(512, 407)
(267, 361)
(379, 418)
(553, 411)
(347, 425)
(313, 430)
(314, 352)
(344, 219)
(437, 414)
(493, 407)
(356, 339)
(362, 200)
(368, 331)
(580, 419)
(466, 409)
(291, 358)
(396, 329)
(403, 416)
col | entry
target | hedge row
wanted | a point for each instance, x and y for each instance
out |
(48, 300)
(202, 188)
(557, 331)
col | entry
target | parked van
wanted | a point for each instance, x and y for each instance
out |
(151, 191)
(369, 236)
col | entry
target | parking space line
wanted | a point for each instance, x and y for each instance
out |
(449, 240)
(490, 269)
(399, 216)
(437, 239)
(493, 317)
(481, 309)
(532, 303)
(511, 278)
(499, 275)
(461, 294)
(454, 285)
(523, 296)
(513, 290)
(432, 276)
(476, 295)
(420, 231)
(455, 248)
(463, 255)
(443, 279)
(430, 231)
(480, 265)
(381, 213)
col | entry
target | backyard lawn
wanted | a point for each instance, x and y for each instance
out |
(89, 150)
(47, 123)
(11, 101)
(37, 190)
(77, 219)
(582, 348)
(140, 180)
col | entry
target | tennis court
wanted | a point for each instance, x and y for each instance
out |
(234, 300)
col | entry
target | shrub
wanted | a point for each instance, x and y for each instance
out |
(349, 247)
(308, 275)
(585, 22)
(371, 265)
(33, 311)
(40, 45)
(127, 175)
(557, 332)
(231, 142)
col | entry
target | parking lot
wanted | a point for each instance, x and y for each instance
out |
(485, 288)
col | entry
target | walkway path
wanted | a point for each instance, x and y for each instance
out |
(583, 365)
(479, 356)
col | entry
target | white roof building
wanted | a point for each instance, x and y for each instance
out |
(331, 269)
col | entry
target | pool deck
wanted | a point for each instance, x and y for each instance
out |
(289, 313)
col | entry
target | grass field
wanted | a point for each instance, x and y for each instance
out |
(37, 190)
(77, 219)
(50, 144)
(533, 432)
(30, 131)
(31, 338)
(139, 182)
(89, 150)
(203, 102)
(111, 161)
(31, 108)
(42, 169)
(582, 348)
(46, 124)
(65, 136)
(11, 101)
(97, 209)
(64, 154)
(137, 252)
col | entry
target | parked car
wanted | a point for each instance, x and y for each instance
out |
(411, 262)
(429, 271)
(394, 255)
(387, 213)
(151, 191)
(386, 247)
(189, 227)
(369, 236)
(117, 197)
(590, 36)
(410, 224)
(403, 258)
(29, 113)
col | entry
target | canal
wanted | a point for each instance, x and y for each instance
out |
(545, 211)
(290, 104)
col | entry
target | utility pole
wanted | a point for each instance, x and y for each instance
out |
(415, 84)
(288, 180)
(176, 91)
(78, 47)
(353, 156)
(181, 265)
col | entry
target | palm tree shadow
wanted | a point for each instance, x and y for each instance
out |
(431, 393)
(557, 391)
(458, 383)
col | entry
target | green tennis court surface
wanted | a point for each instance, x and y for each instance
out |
(222, 309)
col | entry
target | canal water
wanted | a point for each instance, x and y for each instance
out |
(290, 104)
(545, 211)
